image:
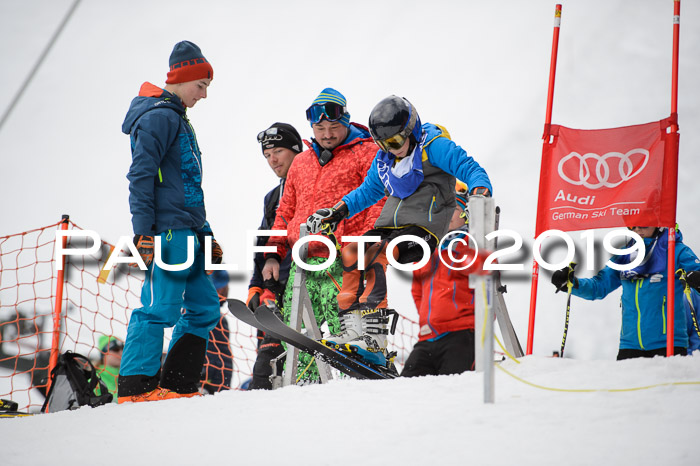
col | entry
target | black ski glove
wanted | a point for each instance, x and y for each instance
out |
(561, 277)
(325, 218)
(253, 298)
(691, 279)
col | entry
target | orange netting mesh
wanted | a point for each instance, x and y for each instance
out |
(94, 304)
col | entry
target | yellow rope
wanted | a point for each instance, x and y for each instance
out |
(590, 390)
(505, 351)
(570, 390)
(305, 369)
(486, 312)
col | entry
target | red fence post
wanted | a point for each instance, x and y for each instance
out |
(55, 340)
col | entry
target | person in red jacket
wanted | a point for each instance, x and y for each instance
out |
(445, 306)
(335, 163)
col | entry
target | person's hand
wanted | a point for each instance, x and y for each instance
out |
(562, 277)
(480, 191)
(271, 269)
(217, 254)
(691, 279)
(144, 246)
(327, 218)
(253, 301)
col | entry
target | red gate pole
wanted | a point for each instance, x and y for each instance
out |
(548, 122)
(671, 277)
(55, 340)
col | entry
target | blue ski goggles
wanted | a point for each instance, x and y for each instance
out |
(330, 110)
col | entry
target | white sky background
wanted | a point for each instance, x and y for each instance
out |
(478, 68)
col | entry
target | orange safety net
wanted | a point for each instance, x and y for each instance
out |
(95, 303)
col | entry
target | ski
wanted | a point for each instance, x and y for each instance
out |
(243, 313)
(240, 310)
(340, 361)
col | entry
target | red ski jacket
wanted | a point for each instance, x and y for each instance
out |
(310, 187)
(443, 298)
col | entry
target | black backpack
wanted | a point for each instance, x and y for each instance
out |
(73, 383)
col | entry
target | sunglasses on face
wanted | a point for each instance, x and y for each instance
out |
(330, 110)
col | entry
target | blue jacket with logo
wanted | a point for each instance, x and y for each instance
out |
(431, 204)
(644, 309)
(165, 177)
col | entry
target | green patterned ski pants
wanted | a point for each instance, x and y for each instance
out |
(323, 287)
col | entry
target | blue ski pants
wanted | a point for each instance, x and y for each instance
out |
(185, 299)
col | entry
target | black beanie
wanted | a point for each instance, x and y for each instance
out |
(280, 135)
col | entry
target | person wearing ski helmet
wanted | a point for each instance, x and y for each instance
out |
(644, 290)
(416, 169)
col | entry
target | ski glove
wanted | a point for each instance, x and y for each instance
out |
(217, 254)
(480, 191)
(691, 279)
(253, 301)
(561, 277)
(144, 246)
(327, 218)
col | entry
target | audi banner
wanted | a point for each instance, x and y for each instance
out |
(608, 178)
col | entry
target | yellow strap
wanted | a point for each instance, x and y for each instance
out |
(444, 134)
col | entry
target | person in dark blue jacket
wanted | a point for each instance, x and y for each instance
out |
(167, 204)
(644, 287)
(280, 144)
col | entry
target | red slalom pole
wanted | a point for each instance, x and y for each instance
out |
(671, 277)
(545, 136)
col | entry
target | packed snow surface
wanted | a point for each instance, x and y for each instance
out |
(558, 411)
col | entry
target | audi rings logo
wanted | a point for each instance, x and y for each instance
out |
(610, 170)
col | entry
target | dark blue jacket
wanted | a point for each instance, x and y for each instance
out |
(165, 178)
(271, 202)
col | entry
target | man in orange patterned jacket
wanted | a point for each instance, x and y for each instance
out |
(335, 163)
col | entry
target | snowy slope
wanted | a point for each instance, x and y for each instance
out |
(429, 420)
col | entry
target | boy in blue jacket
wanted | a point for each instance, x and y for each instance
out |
(416, 168)
(643, 332)
(166, 200)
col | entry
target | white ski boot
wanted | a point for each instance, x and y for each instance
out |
(364, 333)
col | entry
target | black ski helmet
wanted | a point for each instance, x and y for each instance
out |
(393, 116)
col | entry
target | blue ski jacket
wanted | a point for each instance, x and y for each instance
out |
(431, 204)
(644, 309)
(165, 178)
